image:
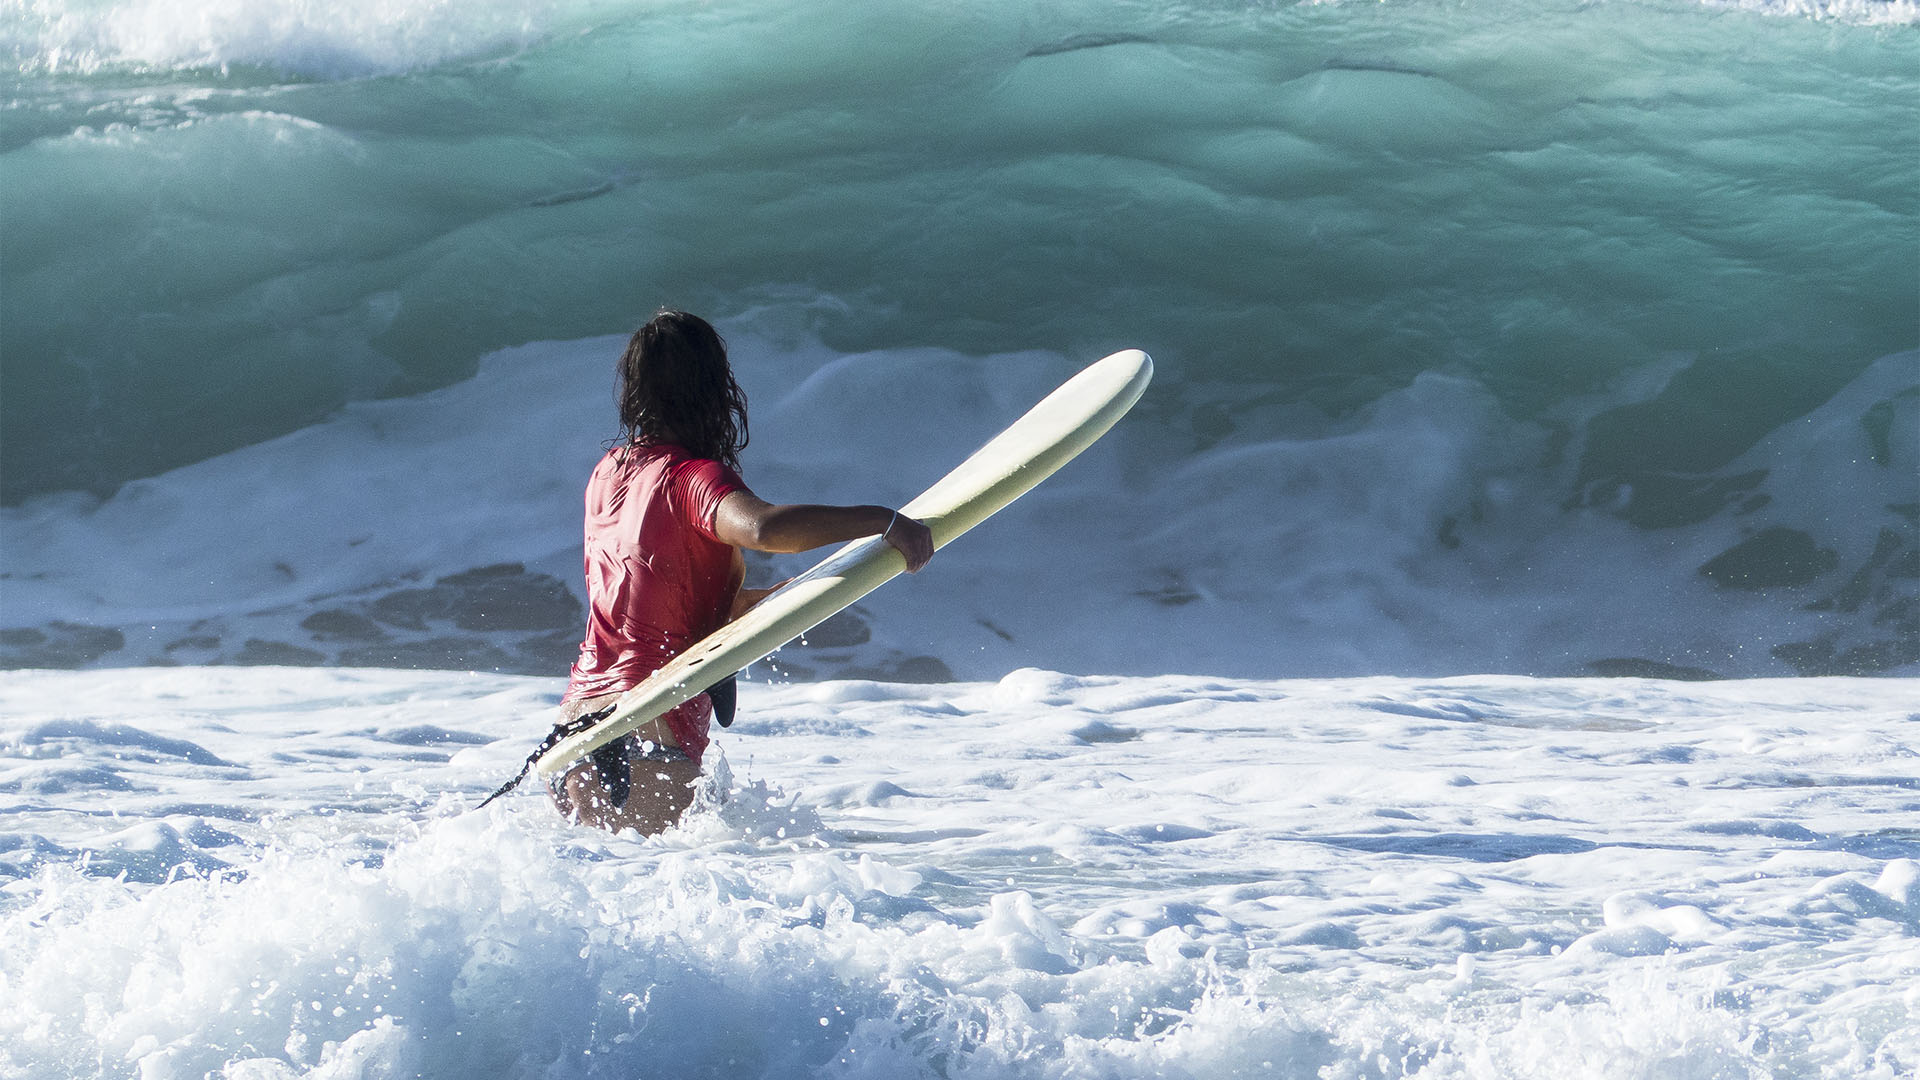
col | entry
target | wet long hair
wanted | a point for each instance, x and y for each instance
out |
(675, 385)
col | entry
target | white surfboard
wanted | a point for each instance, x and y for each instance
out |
(1051, 434)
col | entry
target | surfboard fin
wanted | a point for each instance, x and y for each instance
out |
(725, 696)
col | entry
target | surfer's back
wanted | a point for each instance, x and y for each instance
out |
(658, 579)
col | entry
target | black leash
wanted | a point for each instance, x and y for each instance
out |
(560, 731)
(724, 694)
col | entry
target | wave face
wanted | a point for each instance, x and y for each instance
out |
(1453, 306)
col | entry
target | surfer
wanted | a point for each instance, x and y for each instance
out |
(667, 517)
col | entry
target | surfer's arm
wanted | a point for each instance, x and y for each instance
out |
(745, 520)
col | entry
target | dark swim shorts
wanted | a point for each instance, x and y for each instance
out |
(613, 764)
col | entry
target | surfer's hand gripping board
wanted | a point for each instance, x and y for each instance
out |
(1051, 434)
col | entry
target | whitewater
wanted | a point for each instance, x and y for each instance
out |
(1491, 649)
(275, 873)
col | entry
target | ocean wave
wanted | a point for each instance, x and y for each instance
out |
(358, 38)
(1489, 323)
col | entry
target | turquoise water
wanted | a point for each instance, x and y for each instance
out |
(1652, 234)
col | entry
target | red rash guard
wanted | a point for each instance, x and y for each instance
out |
(658, 579)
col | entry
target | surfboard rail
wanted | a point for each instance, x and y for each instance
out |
(1028, 451)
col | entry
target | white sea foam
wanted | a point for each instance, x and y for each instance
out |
(271, 873)
(339, 39)
(1865, 12)
(1280, 556)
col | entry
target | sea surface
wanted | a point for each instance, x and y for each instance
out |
(1489, 650)
(269, 873)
